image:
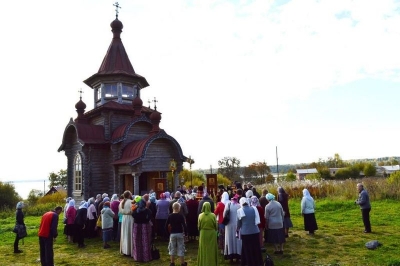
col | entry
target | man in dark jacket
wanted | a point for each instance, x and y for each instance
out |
(47, 235)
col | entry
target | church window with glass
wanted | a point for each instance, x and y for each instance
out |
(78, 173)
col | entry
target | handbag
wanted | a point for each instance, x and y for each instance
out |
(98, 223)
(20, 230)
(227, 214)
(155, 253)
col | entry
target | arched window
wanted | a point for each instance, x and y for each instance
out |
(78, 173)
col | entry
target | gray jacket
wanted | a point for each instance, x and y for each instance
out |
(363, 200)
(107, 216)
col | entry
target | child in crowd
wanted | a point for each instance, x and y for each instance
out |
(178, 232)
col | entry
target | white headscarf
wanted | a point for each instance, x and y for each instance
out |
(240, 211)
(71, 203)
(114, 198)
(249, 193)
(241, 214)
(83, 205)
(306, 194)
(225, 198)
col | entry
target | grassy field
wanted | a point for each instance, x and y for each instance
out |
(339, 241)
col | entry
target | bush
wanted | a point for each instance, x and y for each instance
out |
(8, 197)
(40, 209)
(58, 197)
(316, 176)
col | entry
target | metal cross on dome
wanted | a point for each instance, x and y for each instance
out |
(80, 93)
(116, 9)
(155, 103)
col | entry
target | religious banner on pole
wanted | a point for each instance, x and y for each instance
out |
(212, 184)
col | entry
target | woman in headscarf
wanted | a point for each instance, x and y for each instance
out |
(274, 216)
(308, 212)
(114, 207)
(80, 221)
(249, 194)
(255, 203)
(167, 195)
(91, 219)
(208, 249)
(153, 209)
(233, 245)
(162, 206)
(107, 216)
(70, 226)
(219, 212)
(127, 224)
(283, 199)
(141, 248)
(19, 219)
(65, 215)
(248, 220)
(191, 219)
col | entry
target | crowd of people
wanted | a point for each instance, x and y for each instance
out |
(240, 223)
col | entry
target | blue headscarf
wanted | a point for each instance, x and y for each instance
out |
(270, 197)
(141, 205)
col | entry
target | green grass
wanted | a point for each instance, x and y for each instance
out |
(339, 241)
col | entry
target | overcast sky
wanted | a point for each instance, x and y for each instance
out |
(233, 78)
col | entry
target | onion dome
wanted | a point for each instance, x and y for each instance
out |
(155, 118)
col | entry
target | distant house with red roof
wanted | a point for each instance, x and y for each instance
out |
(56, 189)
(118, 145)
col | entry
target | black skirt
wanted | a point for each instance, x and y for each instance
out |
(310, 224)
(251, 250)
(276, 236)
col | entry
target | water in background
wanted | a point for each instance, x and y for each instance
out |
(23, 187)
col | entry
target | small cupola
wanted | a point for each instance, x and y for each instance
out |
(116, 79)
(80, 109)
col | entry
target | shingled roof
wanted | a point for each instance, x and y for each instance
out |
(116, 61)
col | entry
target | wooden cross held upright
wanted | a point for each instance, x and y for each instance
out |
(116, 9)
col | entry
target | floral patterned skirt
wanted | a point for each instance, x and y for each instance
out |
(141, 249)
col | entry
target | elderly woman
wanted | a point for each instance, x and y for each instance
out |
(19, 219)
(283, 199)
(107, 217)
(308, 212)
(114, 204)
(162, 206)
(233, 245)
(274, 216)
(141, 248)
(191, 219)
(248, 220)
(91, 219)
(255, 203)
(65, 215)
(80, 221)
(208, 248)
(70, 214)
(219, 212)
